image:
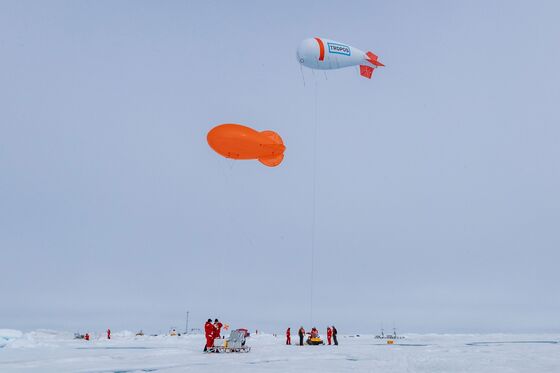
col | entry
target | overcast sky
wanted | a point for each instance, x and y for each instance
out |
(437, 198)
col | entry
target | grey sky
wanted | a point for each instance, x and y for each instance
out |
(437, 181)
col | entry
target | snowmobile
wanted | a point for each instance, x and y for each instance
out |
(314, 340)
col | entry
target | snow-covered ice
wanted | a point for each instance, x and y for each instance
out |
(51, 351)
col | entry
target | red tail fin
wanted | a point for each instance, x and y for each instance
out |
(273, 161)
(366, 71)
(372, 58)
(274, 136)
(276, 150)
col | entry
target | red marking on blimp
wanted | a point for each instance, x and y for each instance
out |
(321, 49)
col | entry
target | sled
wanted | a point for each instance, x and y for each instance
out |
(234, 343)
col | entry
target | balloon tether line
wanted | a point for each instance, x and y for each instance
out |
(314, 213)
(302, 76)
(227, 169)
(226, 232)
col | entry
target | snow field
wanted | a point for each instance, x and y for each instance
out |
(51, 351)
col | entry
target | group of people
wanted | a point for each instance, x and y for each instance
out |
(331, 335)
(87, 337)
(212, 331)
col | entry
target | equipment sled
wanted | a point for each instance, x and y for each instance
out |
(234, 343)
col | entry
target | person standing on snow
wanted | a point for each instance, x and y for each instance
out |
(108, 333)
(301, 333)
(218, 325)
(288, 337)
(329, 335)
(209, 331)
(314, 332)
(334, 333)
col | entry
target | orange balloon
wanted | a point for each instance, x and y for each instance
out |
(240, 142)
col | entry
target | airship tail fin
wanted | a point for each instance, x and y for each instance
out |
(277, 149)
(366, 71)
(372, 58)
(274, 136)
(273, 161)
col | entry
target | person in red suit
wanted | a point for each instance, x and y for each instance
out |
(329, 335)
(209, 332)
(218, 325)
(86, 337)
(108, 333)
(314, 332)
(288, 337)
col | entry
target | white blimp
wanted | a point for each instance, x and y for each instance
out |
(325, 54)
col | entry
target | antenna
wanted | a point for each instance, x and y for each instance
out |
(187, 324)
